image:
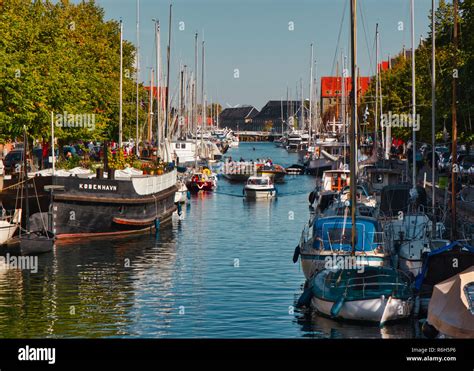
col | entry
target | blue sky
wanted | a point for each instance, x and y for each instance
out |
(253, 36)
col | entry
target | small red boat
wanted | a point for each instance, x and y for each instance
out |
(201, 182)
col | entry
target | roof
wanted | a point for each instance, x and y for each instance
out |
(331, 86)
(276, 109)
(235, 113)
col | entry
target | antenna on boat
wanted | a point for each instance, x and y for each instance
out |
(353, 122)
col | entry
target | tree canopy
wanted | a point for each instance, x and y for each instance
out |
(62, 57)
(396, 82)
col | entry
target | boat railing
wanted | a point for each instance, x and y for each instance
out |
(362, 283)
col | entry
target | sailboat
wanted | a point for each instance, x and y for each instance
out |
(33, 241)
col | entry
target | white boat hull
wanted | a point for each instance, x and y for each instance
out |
(7, 230)
(373, 310)
(260, 194)
(8, 227)
(181, 197)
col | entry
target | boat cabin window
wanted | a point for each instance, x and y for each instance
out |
(258, 181)
(340, 236)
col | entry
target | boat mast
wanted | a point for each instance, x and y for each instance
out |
(433, 116)
(167, 101)
(353, 121)
(302, 105)
(454, 167)
(158, 85)
(203, 101)
(150, 109)
(376, 117)
(311, 97)
(195, 109)
(25, 181)
(413, 92)
(137, 72)
(121, 85)
(343, 104)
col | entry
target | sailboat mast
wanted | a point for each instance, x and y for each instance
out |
(302, 105)
(353, 121)
(150, 109)
(413, 90)
(167, 101)
(203, 101)
(25, 181)
(311, 97)
(454, 167)
(121, 86)
(158, 85)
(376, 117)
(433, 115)
(195, 109)
(137, 72)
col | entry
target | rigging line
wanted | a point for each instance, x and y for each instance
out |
(339, 38)
(361, 11)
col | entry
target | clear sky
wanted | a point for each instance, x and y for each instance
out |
(253, 36)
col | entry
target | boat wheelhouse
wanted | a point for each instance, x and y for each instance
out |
(325, 238)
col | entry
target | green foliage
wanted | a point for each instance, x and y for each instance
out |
(59, 56)
(396, 82)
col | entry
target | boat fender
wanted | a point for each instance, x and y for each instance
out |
(180, 210)
(188, 195)
(296, 254)
(157, 224)
(305, 298)
(337, 306)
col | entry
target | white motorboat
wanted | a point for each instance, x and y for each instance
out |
(182, 194)
(260, 187)
(9, 225)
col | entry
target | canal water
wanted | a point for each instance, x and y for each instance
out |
(222, 270)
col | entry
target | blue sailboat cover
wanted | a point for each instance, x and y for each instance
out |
(335, 234)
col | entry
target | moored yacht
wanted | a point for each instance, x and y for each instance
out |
(325, 238)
